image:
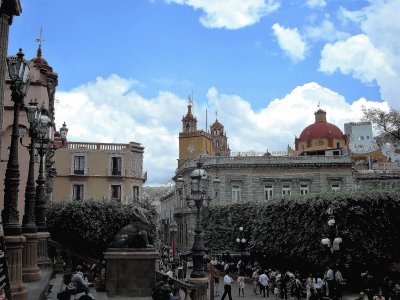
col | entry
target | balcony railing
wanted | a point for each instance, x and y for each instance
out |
(81, 171)
(96, 146)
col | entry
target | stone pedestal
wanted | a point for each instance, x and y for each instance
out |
(130, 272)
(43, 259)
(30, 269)
(200, 292)
(14, 245)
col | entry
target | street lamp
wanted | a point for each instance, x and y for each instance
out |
(334, 241)
(41, 140)
(198, 197)
(18, 70)
(241, 242)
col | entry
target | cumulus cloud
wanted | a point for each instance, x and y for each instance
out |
(325, 31)
(358, 57)
(275, 126)
(233, 14)
(291, 42)
(111, 110)
(372, 55)
(108, 110)
(315, 3)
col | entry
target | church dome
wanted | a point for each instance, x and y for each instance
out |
(320, 136)
(40, 61)
(216, 125)
(321, 130)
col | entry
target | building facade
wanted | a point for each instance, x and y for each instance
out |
(99, 171)
(259, 178)
(43, 84)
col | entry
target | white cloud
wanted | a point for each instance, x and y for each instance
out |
(358, 57)
(233, 14)
(276, 126)
(110, 110)
(107, 111)
(375, 52)
(325, 31)
(291, 42)
(315, 3)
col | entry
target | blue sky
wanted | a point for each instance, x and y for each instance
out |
(263, 64)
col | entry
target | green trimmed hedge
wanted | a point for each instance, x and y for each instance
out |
(289, 230)
(89, 226)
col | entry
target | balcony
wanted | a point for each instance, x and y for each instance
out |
(116, 172)
(79, 172)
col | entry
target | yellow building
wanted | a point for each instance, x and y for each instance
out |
(99, 171)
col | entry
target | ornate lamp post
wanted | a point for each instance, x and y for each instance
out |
(198, 197)
(19, 75)
(241, 242)
(334, 241)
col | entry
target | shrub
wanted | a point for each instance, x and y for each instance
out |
(290, 229)
(89, 226)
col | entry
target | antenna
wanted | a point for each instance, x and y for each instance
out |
(206, 121)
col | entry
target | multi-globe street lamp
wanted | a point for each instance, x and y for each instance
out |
(40, 132)
(241, 241)
(198, 197)
(334, 240)
(18, 70)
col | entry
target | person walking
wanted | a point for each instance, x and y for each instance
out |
(254, 278)
(263, 280)
(240, 280)
(227, 286)
(216, 282)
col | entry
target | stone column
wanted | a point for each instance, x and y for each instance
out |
(130, 272)
(43, 259)
(14, 245)
(4, 29)
(30, 270)
(200, 292)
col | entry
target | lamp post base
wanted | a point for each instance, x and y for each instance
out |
(200, 292)
(14, 245)
(30, 269)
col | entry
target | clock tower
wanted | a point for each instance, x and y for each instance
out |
(192, 142)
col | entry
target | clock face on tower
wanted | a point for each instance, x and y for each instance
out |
(190, 148)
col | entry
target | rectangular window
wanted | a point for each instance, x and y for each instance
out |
(116, 193)
(335, 187)
(303, 189)
(268, 192)
(236, 193)
(286, 190)
(135, 193)
(77, 192)
(116, 165)
(79, 165)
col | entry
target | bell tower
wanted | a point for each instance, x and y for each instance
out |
(192, 142)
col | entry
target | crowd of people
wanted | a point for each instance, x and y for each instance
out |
(278, 284)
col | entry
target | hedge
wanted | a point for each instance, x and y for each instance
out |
(89, 226)
(289, 230)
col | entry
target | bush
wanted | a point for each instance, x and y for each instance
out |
(290, 229)
(89, 226)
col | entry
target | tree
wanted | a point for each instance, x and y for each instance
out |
(388, 123)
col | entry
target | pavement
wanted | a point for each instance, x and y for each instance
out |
(58, 286)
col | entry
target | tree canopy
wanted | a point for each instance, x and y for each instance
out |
(388, 123)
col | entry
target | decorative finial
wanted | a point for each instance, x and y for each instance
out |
(40, 40)
(216, 115)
